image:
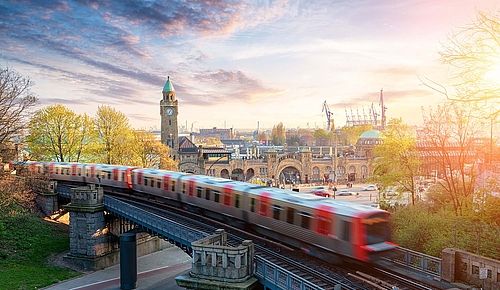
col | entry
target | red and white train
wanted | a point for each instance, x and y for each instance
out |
(319, 225)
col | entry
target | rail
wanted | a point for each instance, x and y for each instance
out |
(154, 223)
(418, 261)
(269, 273)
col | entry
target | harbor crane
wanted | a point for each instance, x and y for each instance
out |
(329, 117)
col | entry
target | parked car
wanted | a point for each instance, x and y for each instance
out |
(321, 192)
(370, 187)
(342, 192)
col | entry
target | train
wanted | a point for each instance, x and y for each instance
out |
(321, 226)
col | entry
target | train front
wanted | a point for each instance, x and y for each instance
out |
(374, 236)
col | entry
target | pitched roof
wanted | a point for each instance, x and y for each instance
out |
(186, 146)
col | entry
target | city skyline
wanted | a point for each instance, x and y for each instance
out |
(234, 63)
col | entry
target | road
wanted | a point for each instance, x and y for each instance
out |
(363, 197)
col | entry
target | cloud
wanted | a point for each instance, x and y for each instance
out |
(222, 85)
(366, 100)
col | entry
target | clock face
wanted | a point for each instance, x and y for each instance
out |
(170, 111)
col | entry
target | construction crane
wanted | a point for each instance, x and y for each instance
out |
(329, 117)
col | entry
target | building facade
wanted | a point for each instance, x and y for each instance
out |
(302, 165)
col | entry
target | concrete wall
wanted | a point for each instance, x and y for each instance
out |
(461, 266)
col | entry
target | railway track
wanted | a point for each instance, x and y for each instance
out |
(319, 273)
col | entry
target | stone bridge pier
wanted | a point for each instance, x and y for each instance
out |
(46, 196)
(93, 235)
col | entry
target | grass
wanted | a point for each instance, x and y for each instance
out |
(26, 242)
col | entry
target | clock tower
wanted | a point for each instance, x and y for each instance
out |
(168, 112)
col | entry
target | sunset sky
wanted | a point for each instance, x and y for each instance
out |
(233, 62)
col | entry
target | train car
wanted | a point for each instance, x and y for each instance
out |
(218, 197)
(67, 171)
(323, 227)
(320, 225)
(158, 182)
(109, 175)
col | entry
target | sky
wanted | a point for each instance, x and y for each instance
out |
(233, 63)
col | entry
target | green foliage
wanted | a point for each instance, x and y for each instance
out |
(323, 137)
(396, 161)
(57, 133)
(26, 244)
(423, 229)
(350, 135)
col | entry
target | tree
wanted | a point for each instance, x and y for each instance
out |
(262, 137)
(57, 133)
(16, 101)
(278, 134)
(323, 137)
(450, 131)
(473, 54)
(151, 153)
(351, 134)
(114, 135)
(396, 161)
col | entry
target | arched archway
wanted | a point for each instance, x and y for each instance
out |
(238, 174)
(250, 173)
(289, 175)
(224, 173)
(364, 172)
(315, 174)
(328, 174)
(340, 171)
(352, 174)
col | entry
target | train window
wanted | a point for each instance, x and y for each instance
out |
(252, 205)
(109, 175)
(79, 172)
(346, 231)
(216, 195)
(173, 185)
(207, 194)
(183, 187)
(199, 190)
(158, 183)
(123, 176)
(276, 212)
(236, 200)
(306, 220)
(290, 213)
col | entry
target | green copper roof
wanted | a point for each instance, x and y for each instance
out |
(168, 87)
(370, 134)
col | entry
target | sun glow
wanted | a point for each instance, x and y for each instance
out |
(492, 76)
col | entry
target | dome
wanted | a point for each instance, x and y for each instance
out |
(370, 134)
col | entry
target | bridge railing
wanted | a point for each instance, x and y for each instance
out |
(418, 261)
(154, 223)
(269, 273)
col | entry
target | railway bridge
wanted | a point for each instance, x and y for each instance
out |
(97, 219)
